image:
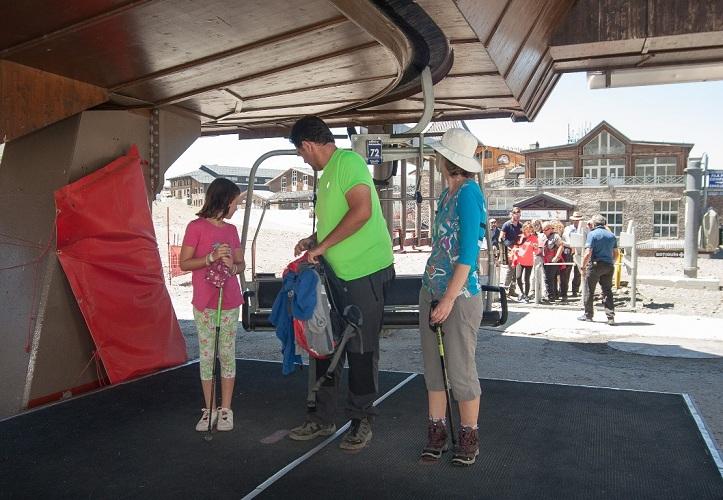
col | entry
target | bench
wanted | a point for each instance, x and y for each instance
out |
(401, 308)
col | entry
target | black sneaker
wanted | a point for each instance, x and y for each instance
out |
(468, 447)
(309, 430)
(358, 436)
(436, 441)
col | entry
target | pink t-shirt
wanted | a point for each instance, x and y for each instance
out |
(202, 235)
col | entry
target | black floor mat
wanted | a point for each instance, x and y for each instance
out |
(137, 440)
(538, 442)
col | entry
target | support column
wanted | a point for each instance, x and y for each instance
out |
(692, 204)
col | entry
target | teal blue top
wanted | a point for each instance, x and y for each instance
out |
(459, 227)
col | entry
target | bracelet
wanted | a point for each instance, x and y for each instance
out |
(208, 260)
(234, 269)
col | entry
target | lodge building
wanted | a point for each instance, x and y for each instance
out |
(603, 172)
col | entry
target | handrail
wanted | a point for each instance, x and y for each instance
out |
(628, 180)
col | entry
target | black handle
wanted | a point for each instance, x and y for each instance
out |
(434, 304)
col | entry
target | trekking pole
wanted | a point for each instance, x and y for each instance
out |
(209, 436)
(437, 327)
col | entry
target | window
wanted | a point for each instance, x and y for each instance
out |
(613, 213)
(604, 144)
(655, 166)
(283, 184)
(553, 169)
(306, 182)
(488, 154)
(598, 169)
(294, 178)
(500, 203)
(665, 219)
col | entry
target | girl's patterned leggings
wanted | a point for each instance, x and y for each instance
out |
(206, 327)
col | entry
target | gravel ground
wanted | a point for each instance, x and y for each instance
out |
(589, 362)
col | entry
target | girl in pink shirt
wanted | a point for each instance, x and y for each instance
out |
(207, 240)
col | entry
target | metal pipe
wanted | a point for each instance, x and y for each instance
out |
(250, 189)
(403, 211)
(692, 203)
(428, 92)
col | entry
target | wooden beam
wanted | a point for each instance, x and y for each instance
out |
(283, 37)
(182, 97)
(72, 28)
(31, 99)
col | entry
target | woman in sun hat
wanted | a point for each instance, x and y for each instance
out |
(451, 278)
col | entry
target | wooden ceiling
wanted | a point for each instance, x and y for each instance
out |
(252, 67)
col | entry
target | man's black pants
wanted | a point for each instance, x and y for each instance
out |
(362, 351)
(600, 272)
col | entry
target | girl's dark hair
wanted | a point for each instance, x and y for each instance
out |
(219, 195)
(453, 170)
(310, 128)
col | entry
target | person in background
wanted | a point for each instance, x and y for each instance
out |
(576, 226)
(563, 276)
(207, 240)
(451, 278)
(526, 251)
(598, 265)
(551, 253)
(509, 236)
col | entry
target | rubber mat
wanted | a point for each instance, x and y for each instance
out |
(137, 440)
(538, 441)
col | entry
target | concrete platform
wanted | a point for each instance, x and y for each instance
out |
(704, 283)
(667, 335)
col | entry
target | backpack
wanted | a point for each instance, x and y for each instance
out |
(313, 330)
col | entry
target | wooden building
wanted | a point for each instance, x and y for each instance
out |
(192, 186)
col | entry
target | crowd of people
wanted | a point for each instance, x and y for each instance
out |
(520, 248)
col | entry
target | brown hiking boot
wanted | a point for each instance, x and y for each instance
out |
(468, 447)
(358, 435)
(436, 441)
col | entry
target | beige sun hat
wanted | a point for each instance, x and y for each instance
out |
(576, 216)
(459, 146)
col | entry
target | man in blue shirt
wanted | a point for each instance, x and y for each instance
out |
(598, 264)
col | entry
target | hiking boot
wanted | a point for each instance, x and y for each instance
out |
(468, 447)
(436, 441)
(225, 419)
(584, 318)
(309, 430)
(202, 424)
(358, 436)
(611, 321)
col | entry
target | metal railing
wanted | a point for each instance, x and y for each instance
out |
(632, 180)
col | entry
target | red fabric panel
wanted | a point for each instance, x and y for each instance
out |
(175, 259)
(108, 250)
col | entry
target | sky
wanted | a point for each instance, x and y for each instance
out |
(682, 112)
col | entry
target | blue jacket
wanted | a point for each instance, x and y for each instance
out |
(296, 299)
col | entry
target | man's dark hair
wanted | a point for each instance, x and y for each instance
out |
(312, 129)
(219, 196)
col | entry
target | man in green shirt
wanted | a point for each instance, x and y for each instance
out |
(353, 239)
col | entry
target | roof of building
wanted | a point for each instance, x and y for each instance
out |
(565, 202)
(596, 130)
(303, 170)
(213, 171)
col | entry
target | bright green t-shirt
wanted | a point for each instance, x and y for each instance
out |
(370, 248)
